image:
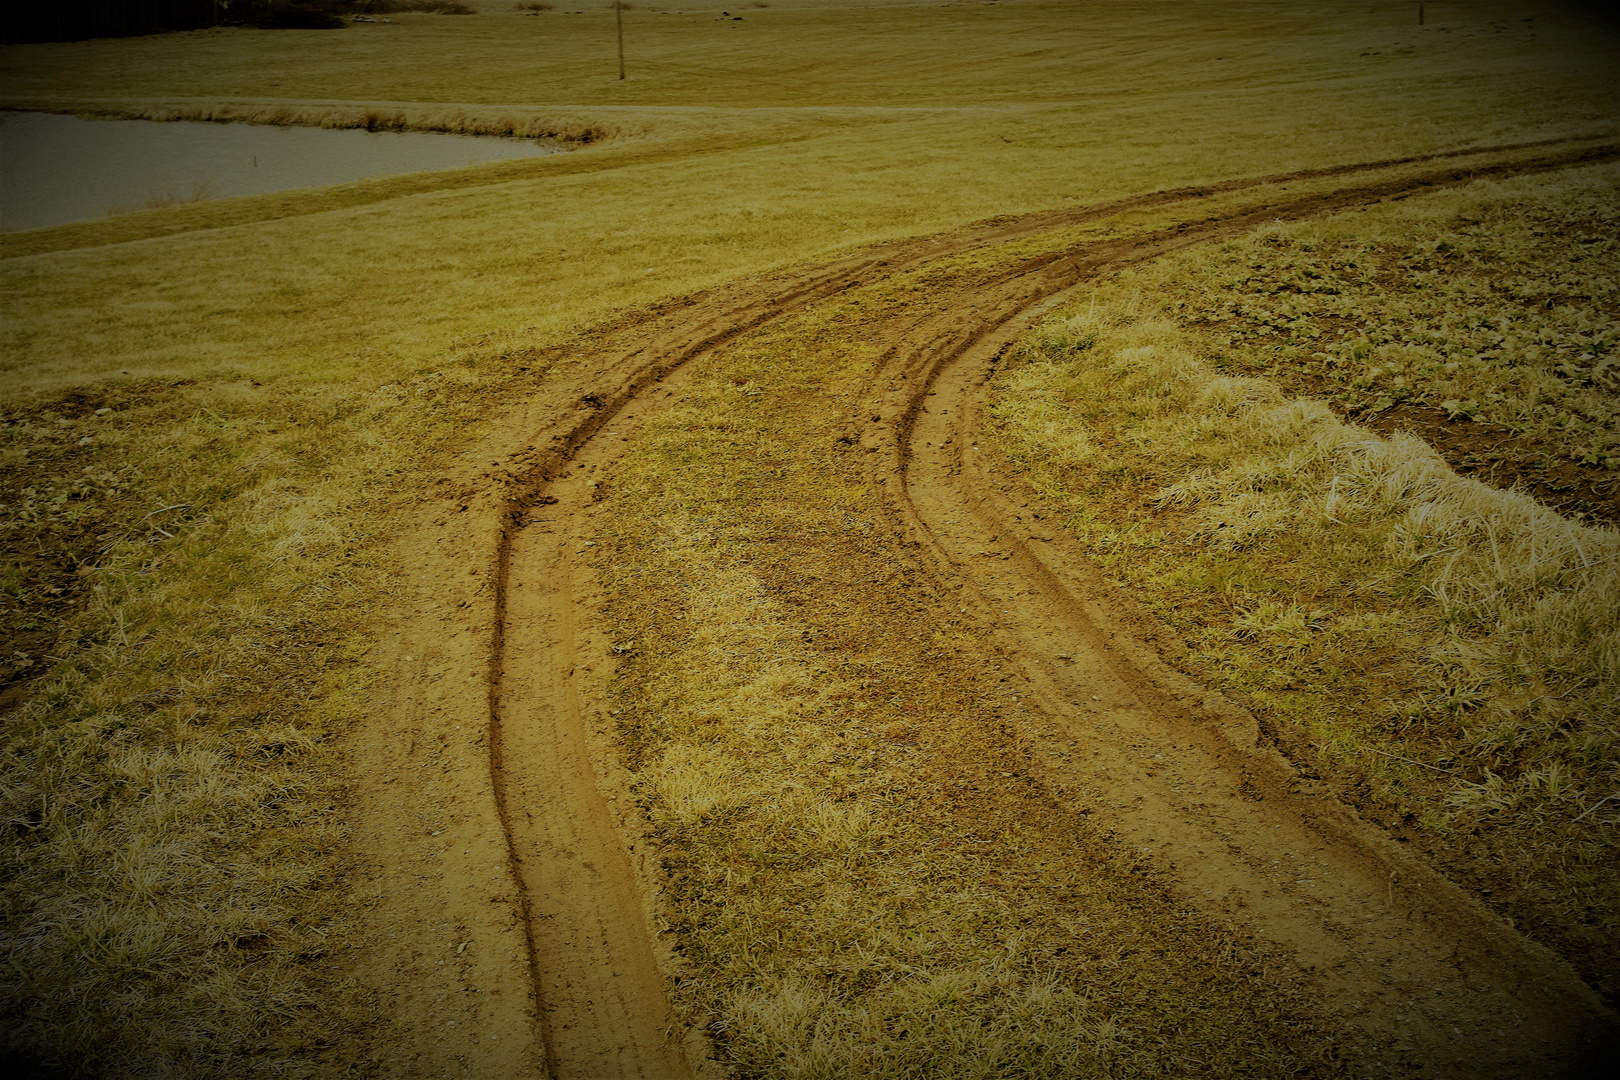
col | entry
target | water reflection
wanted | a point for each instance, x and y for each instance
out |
(56, 169)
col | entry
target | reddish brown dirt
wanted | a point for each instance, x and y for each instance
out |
(511, 890)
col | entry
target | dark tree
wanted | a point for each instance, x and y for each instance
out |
(74, 20)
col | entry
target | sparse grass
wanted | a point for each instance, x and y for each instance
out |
(174, 195)
(1446, 649)
(735, 147)
(865, 875)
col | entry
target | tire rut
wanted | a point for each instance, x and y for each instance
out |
(569, 825)
(1438, 980)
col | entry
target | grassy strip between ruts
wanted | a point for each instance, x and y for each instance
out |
(1448, 651)
(866, 877)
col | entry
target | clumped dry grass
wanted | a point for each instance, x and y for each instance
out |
(1449, 650)
(865, 875)
(1498, 305)
(184, 591)
(159, 198)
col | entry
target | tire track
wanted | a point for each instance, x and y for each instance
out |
(1435, 978)
(585, 908)
(1395, 947)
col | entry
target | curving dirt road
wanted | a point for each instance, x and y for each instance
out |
(513, 892)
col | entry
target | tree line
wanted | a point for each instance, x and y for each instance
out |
(75, 20)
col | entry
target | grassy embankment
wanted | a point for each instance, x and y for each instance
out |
(1446, 650)
(189, 574)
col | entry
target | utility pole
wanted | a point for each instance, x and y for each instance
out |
(618, 19)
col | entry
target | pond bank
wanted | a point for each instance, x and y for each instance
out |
(59, 169)
(445, 119)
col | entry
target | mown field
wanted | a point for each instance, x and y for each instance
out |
(211, 413)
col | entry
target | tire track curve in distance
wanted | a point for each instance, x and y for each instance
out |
(602, 1009)
(600, 987)
(601, 1003)
(1394, 947)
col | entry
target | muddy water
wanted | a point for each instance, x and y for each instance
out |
(56, 169)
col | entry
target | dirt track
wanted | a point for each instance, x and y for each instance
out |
(512, 889)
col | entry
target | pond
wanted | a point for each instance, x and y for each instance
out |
(56, 169)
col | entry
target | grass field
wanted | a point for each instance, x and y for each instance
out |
(1446, 648)
(209, 409)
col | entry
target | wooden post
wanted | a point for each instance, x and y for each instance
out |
(1420, 19)
(618, 19)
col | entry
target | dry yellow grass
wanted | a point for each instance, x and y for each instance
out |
(841, 53)
(1446, 648)
(189, 576)
(507, 122)
(285, 367)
